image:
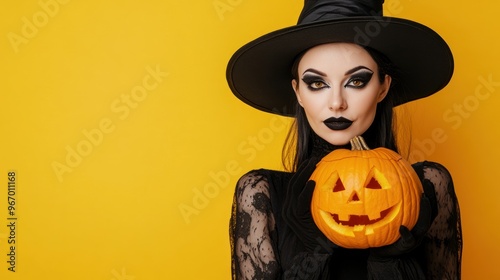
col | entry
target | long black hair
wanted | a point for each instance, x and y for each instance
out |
(299, 141)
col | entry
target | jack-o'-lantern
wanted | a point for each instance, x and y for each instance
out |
(363, 196)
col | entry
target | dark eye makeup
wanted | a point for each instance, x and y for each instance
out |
(359, 79)
(314, 82)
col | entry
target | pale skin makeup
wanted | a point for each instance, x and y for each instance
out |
(339, 89)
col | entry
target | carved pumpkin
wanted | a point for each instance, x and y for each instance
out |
(363, 196)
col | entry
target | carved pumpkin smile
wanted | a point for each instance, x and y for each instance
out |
(362, 197)
(355, 220)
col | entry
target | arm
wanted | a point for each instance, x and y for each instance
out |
(252, 226)
(442, 245)
(438, 250)
(313, 249)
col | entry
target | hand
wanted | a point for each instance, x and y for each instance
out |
(409, 240)
(297, 210)
(390, 262)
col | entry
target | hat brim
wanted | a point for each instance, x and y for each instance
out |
(259, 73)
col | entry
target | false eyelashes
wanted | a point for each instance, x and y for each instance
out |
(357, 80)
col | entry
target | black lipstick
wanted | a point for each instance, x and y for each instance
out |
(340, 123)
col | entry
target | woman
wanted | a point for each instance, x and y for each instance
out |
(349, 67)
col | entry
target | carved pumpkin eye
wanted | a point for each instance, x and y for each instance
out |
(377, 180)
(339, 186)
(373, 184)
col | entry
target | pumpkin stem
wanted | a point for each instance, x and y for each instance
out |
(358, 144)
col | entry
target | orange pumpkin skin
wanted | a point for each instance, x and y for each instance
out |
(363, 196)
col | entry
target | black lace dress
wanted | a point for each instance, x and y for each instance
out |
(263, 247)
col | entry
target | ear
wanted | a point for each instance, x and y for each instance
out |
(295, 87)
(386, 84)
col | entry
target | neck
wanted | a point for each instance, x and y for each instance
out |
(321, 147)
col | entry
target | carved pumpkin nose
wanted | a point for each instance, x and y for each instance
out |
(354, 197)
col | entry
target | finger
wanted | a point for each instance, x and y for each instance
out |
(407, 240)
(424, 218)
(428, 188)
(405, 233)
(430, 193)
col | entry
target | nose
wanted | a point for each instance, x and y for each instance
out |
(354, 197)
(337, 101)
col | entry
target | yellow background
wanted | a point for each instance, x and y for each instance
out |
(137, 90)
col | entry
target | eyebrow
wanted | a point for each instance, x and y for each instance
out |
(346, 73)
(315, 72)
(356, 69)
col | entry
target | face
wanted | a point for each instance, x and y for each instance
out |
(339, 88)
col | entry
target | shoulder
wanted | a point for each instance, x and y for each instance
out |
(263, 178)
(441, 180)
(435, 172)
(261, 183)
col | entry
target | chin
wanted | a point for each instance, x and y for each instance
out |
(341, 137)
(337, 141)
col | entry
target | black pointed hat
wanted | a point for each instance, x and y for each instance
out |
(259, 73)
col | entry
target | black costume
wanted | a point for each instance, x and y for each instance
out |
(264, 247)
(267, 242)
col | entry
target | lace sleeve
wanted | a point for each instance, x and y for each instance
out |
(252, 226)
(443, 242)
